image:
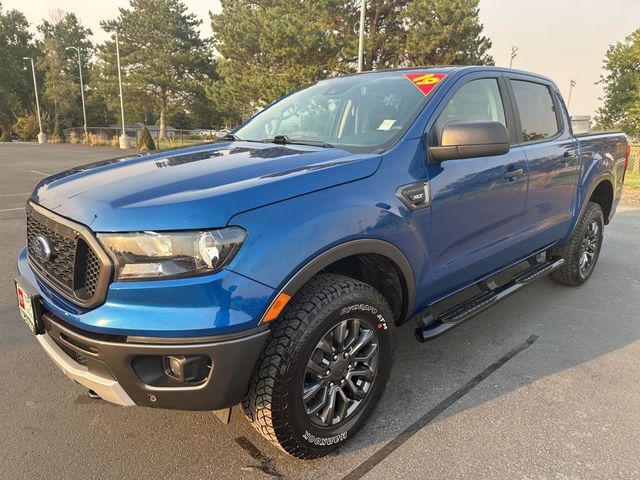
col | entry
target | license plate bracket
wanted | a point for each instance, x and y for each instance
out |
(29, 305)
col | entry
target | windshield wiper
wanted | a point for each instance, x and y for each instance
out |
(284, 140)
(232, 137)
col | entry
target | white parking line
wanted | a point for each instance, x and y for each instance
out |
(40, 173)
(11, 209)
(14, 194)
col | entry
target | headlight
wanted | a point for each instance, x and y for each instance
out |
(143, 255)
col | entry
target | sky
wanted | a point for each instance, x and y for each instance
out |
(562, 39)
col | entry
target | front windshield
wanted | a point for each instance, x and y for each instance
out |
(358, 113)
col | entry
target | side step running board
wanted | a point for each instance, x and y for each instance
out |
(432, 327)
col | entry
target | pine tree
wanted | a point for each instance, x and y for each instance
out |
(272, 46)
(146, 140)
(164, 60)
(445, 32)
(16, 84)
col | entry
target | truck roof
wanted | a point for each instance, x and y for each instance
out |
(458, 69)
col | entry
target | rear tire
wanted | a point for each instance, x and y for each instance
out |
(582, 250)
(324, 367)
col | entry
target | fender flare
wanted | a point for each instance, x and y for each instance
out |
(592, 188)
(347, 249)
(605, 176)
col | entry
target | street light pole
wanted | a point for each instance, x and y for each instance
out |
(514, 54)
(42, 137)
(363, 7)
(125, 142)
(84, 110)
(572, 84)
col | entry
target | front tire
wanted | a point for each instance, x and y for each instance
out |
(582, 250)
(324, 367)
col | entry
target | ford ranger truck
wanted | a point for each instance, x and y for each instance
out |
(271, 268)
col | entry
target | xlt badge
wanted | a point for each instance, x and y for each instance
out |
(416, 196)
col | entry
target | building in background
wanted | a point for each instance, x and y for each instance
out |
(581, 124)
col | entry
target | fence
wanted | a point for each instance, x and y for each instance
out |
(177, 138)
(109, 136)
(632, 179)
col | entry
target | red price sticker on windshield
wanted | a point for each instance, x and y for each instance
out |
(425, 81)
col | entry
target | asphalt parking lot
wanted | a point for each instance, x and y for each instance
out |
(546, 385)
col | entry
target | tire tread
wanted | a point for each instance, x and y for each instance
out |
(264, 403)
(567, 274)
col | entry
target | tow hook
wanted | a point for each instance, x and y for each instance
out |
(94, 395)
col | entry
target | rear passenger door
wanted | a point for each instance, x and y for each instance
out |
(544, 134)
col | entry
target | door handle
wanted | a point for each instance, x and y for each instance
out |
(511, 174)
(567, 158)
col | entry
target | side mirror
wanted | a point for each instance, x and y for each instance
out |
(471, 139)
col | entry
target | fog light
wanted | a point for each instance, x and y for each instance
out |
(187, 369)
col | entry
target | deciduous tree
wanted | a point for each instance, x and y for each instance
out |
(621, 102)
(59, 66)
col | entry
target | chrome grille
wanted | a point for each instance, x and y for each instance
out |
(78, 268)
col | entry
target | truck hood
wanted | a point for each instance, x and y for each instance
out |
(194, 188)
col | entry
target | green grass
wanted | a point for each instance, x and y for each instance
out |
(632, 179)
(168, 144)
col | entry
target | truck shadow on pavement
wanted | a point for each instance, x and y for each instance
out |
(545, 329)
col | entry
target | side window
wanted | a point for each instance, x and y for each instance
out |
(476, 100)
(537, 111)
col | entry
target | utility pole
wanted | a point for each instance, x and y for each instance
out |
(84, 110)
(572, 84)
(125, 142)
(363, 8)
(42, 137)
(514, 54)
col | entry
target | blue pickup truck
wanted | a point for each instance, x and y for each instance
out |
(271, 268)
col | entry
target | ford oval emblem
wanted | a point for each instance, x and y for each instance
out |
(42, 248)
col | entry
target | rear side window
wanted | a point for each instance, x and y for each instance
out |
(477, 100)
(537, 111)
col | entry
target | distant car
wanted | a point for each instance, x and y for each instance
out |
(202, 132)
(272, 268)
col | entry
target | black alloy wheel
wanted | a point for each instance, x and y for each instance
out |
(582, 249)
(340, 372)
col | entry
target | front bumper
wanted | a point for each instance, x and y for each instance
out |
(128, 371)
(117, 349)
(107, 388)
